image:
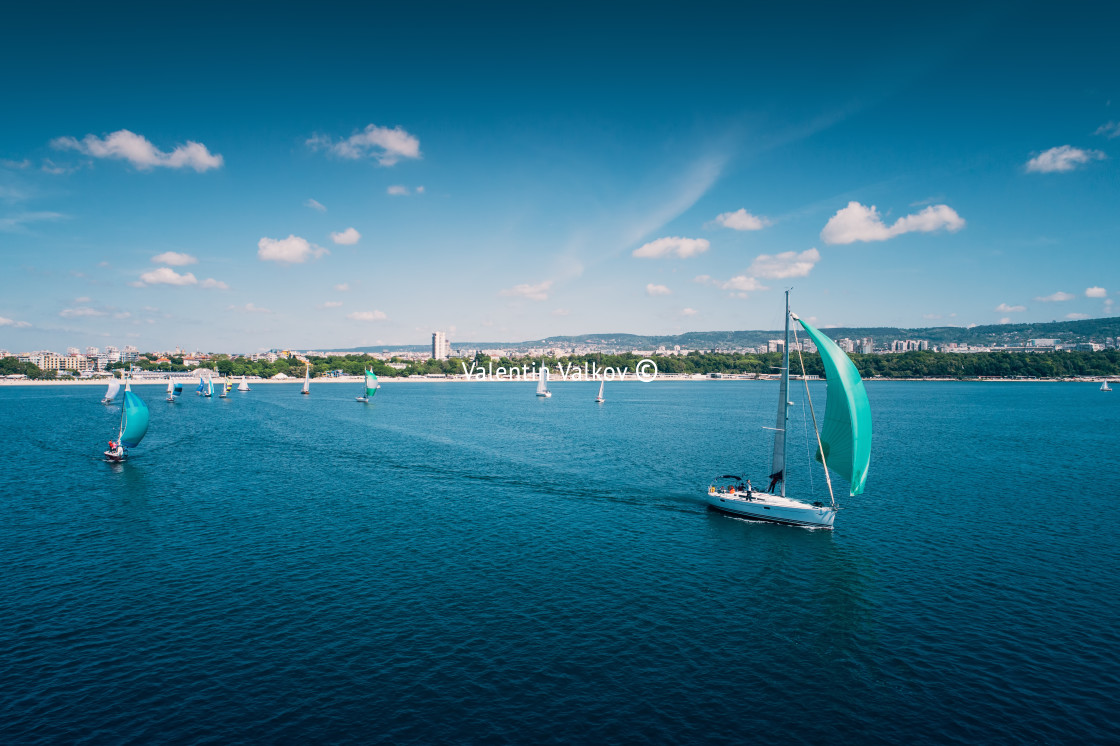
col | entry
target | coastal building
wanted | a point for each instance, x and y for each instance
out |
(441, 348)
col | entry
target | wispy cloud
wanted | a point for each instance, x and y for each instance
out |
(4, 321)
(741, 220)
(1095, 292)
(382, 144)
(81, 312)
(529, 291)
(367, 316)
(1057, 297)
(1077, 316)
(652, 289)
(672, 246)
(315, 204)
(167, 276)
(1004, 308)
(18, 223)
(558, 312)
(689, 312)
(1109, 130)
(331, 304)
(348, 237)
(784, 265)
(290, 250)
(140, 152)
(174, 258)
(342, 287)
(857, 222)
(739, 285)
(1063, 158)
(213, 284)
(248, 308)
(400, 190)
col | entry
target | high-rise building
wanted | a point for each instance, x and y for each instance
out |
(441, 348)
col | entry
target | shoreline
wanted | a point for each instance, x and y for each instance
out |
(459, 379)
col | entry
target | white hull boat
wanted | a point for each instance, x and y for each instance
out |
(762, 506)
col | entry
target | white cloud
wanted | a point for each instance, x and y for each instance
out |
(140, 152)
(332, 304)
(1076, 316)
(386, 146)
(213, 284)
(167, 276)
(398, 190)
(1095, 292)
(786, 264)
(174, 258)
(741, 220)
(1064, 158)
(1005, 320)
(248, 308)
(16, 223)
(689, 312)
(12, 322)
(1056, 297)
(561, 312)
(702, 279)
(526, 290)
(83, 299)
(315, 204)
(74, 313)
(367, 316)
(742, 284)
(342, 287)
(857, 222)
(1004, 308)
(290, 250)
(420, 190)
(1109, 130)
(652, 289)
(348, 237)
(681, 247)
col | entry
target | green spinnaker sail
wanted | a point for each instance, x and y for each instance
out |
(371, 383)
(135, 420)
(846, 433)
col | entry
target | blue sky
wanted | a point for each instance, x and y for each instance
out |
(241, 179)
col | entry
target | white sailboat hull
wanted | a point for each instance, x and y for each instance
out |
(760, 506)
(545, 394)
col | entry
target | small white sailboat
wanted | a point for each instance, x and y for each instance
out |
(600, 398)
(174, 389)
(134, 425)
(371, 387)
(111, 392)
(1105, 386)
(243, 386)
(843, 444)
(307, 380)
(542, 383)
(209, 385)
(226, 386)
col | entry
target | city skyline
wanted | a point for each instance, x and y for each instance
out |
(503, 176)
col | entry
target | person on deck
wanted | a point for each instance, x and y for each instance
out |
(774, 479)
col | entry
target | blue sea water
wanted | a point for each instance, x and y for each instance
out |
(463, 563)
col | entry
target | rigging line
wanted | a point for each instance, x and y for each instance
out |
(805, 433)
(824, 462)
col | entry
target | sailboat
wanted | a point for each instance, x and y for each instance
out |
(226, 386)
(542, 383)
(307, 380)
(602, 383)
(111, 392)
(243, 386)
(209, 385)
(201, 385)
(371, 386)
(843, 444)
(1105, 386)
(175, 390)
(134, 424)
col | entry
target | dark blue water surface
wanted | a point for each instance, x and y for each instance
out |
(463, 562)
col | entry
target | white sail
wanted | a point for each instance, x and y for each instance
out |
(542, 381)
(243, 386)
(307, 380)
(170, 386)
(602, 383)
(114, 388)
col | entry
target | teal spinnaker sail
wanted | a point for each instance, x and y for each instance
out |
(846, 433)
(371, 383)
(135, 422)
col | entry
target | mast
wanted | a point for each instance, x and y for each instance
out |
(778, 463)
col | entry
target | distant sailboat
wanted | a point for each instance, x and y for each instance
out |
(134, 425)
(843, 444)
(1105, 386)
(307, 380)
(111, 392)
(176, 391)
(371, 386)
(201, 385)
(602, 383)
(209, 385)
(243, 386)
(226, 386)
(542, 383)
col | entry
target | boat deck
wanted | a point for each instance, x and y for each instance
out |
(764, 498)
